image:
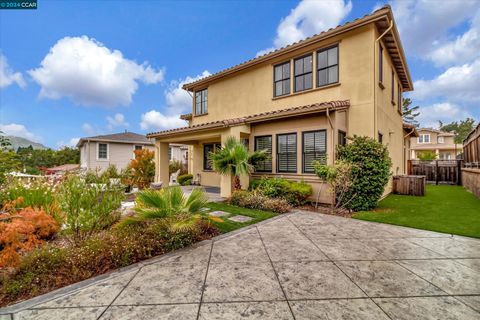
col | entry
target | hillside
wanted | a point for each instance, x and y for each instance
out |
(22, 142)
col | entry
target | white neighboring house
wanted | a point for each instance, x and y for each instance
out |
(178, 152)
(98, 152)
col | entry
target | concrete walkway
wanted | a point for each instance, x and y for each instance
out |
(298, 266)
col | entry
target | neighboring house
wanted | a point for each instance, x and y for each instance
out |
(60, 170)
(178, 152)
(438, 142)
(299, 102)
(409, 132)
(98, 152)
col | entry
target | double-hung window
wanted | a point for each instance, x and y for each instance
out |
(264, 143)
(424, 138)
(281, 81)
(327, 66)
(201, 102)
(102, 151)
(287, 152)
(314, 149)
(303, 73)
(393, 86)
(399, 99)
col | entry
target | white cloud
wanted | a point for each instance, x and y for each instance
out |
(19, 130)
(464, 48)
(445, 112)
(309, 18)
(425, 24)
(71, 143)
(458, 83)
(178, 101)
(8, 76)
(88, 129)
(118, 120)
(155, 120)
(89, 73)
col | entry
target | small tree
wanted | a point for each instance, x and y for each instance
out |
(142, 168)
(234, 159)
(427, 155)
(340, 178)
(371, 167)
(9, 160)
(409, 112)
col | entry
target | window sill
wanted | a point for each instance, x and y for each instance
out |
(328, 86)
(380, 84)
(201, 115)
(206, 170)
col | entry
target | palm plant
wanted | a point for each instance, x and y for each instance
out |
(179, 212)
(234, 159)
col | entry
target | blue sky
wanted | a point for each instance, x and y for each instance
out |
(80, 68)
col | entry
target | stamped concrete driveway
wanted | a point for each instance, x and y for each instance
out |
(297, 266)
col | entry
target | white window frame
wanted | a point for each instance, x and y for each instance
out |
(421, 138)
(98, 149)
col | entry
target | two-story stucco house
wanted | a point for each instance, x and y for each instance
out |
(98, 152)
(299, 102)
(441, 143)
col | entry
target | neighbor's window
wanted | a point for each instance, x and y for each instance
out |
(342, 138)
(380, 137)
(287, 152)
(327, 66)
(424, 138)
(264, 143)
(201, 102)
(281, 81)
(314, 148)
(102, 151)
(441, 140)
(169, 153)
(380, 63)
(207, 149)
(303, 73)
(138, 147)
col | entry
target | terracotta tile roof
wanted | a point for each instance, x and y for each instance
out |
(264, 116)
(384, 13)
(411, 128)
(123, 137)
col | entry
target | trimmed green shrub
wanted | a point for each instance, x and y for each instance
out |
(255, 200)
(371, 169)
(296, 193)
(185, 179)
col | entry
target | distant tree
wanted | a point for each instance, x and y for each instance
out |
(32, 159)
(67, 155)
(427, 155)
(410, 113)
(461, 129)
(8, 158)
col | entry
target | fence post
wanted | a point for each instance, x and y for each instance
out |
(459, 172)
(436, 172)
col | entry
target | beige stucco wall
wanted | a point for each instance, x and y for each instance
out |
(119, 154)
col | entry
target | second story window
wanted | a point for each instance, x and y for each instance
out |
(399, 98)
(303, 73)
(201, 102)
(327, 66)
(393, 86)
(424, 138)
(281, 81)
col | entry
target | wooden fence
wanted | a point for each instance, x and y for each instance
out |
(437, 171)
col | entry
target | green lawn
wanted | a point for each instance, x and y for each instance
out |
(449, 209)
(227, 225)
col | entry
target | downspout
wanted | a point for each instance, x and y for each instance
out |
(332, 138)
(375, 48)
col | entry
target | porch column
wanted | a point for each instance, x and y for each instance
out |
(226, 182)
(161, 163)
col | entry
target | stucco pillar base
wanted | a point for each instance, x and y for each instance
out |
(161, 163)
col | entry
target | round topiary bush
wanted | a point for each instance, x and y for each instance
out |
(371, 170)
